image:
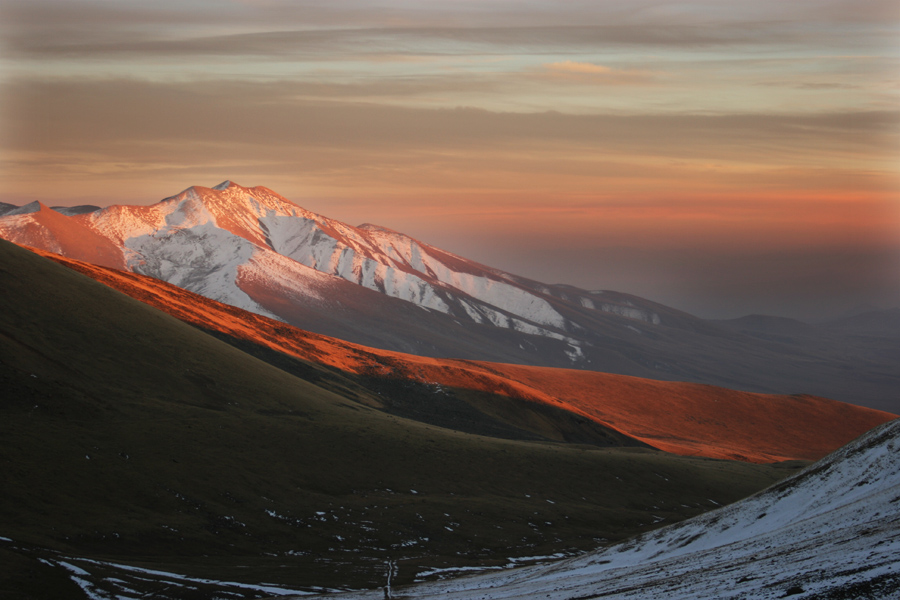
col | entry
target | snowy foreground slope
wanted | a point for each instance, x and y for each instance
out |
(830, 532)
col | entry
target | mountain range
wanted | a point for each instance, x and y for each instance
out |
(523, 401)
(253, 249)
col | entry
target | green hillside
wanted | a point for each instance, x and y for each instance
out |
(129, 436)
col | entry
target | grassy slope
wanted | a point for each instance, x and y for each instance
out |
(128, 434)
(400, 384)
(525, 401)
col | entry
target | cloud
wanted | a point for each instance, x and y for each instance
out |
(826, 86)
(280, 134)
(81, 28)
(72, 113)
(590, 73)
(570, 66)
(335, 44)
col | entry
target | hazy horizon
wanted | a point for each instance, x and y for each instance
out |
(721, 158)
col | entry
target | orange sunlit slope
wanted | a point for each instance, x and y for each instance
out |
(69, 235)
(683, 418)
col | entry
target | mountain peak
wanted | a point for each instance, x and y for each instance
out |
(224, 185)
(31, 207)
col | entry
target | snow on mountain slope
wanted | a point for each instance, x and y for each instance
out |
(830, 532)
(203, 258)
(203, 239)
(484, 284)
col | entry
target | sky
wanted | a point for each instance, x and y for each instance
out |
(721, 157)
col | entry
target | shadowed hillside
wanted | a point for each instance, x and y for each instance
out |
(522, 401)
(132, 437)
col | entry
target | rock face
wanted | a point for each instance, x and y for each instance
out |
(253, 249)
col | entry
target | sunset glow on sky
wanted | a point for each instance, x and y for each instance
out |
(718, 156)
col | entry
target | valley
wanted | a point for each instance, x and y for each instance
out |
(132, 437)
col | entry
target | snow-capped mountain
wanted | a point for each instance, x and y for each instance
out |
(832, 531)
(254, 249)
(251, 248)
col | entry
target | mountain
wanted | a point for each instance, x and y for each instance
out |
(880, 323)
(830, 532)
(253, 249)
(782, 328)
(6, 208)
(141, 451)
(557, 404)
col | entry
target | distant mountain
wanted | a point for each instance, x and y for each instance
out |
(6, 208)
(253, 249)
(75, 210)
(880, 323)
(526, 402)
(832, 531)
(763, 325)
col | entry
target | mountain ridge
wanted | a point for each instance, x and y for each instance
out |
(254, 249)
(683, 418)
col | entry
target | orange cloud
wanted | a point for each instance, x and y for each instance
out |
(570, 66)
(586, 72)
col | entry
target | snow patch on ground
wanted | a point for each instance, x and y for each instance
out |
(494, 291)
(574, 353)
(24, 229)
(95, 577)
